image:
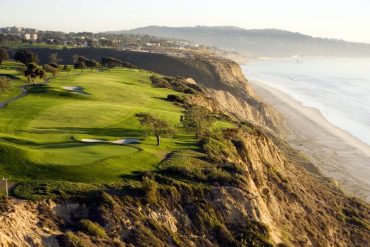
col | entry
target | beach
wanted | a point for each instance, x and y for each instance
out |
(337, 153)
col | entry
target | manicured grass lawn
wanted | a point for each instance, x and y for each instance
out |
(38, 133)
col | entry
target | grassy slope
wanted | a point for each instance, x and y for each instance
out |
(36, 131)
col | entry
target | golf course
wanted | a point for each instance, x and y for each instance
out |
(42, 132)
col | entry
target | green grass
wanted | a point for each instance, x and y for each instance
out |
(38, 133)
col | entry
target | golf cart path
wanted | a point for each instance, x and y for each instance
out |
(21, 95)
(118, 142)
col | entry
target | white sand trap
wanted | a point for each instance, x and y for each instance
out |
(91, 140)
(118, 142)
(74, 89)
(125, 141)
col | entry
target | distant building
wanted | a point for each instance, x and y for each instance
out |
(34, 36)
(153, 44)
(27, 36)
(16, 29)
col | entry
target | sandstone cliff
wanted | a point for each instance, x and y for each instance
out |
(259, 196)
(244, 187)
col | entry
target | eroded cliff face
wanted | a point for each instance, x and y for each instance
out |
(244, 187)
(25, 224)
(269, 199)
(232, 92)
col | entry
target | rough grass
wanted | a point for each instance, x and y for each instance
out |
(39, 189)
(192, 166)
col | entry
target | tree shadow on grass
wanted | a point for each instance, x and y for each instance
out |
(10, 76)
(135, 175)
(83, 144)
(163, 99)
(112, 132)
(17, 141)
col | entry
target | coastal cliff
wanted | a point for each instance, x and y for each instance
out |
(259, 195)
(222, 77)
(244, 186)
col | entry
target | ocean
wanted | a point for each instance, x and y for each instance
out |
(338, 87)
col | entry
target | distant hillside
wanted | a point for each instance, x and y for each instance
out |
(259, 42)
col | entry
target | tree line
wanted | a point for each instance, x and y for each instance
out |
(34, 70)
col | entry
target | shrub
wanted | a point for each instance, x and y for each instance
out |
(54, 65)
(191, 165)
(175, 98)
(160, 82)
(67, 68)
(4, 84)
(217, 148)
(70, 239)
(198, 119)
(93, 228)
(25, 57)
(189, 91)
(150, 189)
(108, 199)
(254, 234)
(129, 65)
(79, 65)
(3, 55)
(195, 87)
(51, 69)
(177, 84)
(110, 62)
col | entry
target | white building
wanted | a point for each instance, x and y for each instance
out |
(27, 36)
(34, 36)
(153, 44)
(16, 29)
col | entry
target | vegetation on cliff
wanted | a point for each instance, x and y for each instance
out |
(233, 184)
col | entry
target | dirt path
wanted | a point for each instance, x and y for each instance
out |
(21, 95)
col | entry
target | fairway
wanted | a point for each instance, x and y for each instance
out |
(40, 133)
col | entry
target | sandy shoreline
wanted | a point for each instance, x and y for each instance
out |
(334, 151)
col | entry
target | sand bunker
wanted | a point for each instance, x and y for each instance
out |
(74, 89)
(118, 142)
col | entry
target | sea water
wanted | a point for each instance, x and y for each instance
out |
(338, 87)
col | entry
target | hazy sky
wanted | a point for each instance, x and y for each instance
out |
(345, 19)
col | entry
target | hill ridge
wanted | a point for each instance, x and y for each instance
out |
(259, 42)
